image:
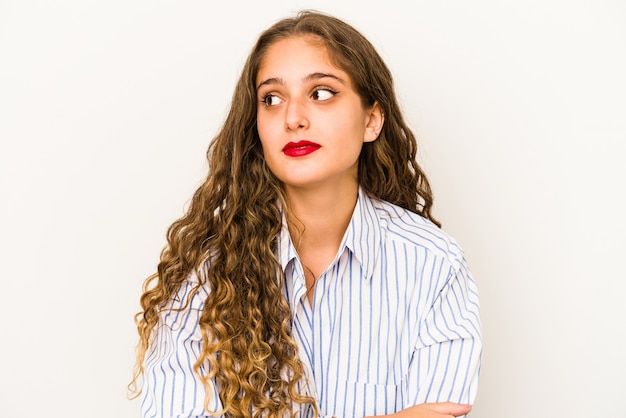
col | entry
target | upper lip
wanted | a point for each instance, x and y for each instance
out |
(302, 143)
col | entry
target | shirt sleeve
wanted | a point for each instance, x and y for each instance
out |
(446, 360)
(171, 388)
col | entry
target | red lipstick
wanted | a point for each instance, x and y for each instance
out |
(300, 148)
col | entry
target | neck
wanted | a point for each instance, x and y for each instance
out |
(320, 217)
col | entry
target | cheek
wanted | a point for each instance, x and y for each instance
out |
(263, 134)
(266, 143)
(266, 130)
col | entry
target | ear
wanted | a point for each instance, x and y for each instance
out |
(375, 119)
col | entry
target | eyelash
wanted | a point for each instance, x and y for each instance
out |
(266, 98)
(324, 88)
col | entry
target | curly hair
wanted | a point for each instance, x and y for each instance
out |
(228, 235)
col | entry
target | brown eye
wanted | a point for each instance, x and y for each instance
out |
(270, 100)
(323, 94)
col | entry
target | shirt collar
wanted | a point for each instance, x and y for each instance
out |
(286, 249)
(363, 237)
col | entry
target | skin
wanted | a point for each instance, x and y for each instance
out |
(433, 410)
(302, 95)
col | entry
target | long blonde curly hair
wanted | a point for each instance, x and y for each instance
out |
(234, 219)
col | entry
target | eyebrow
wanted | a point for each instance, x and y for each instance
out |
(307, 78)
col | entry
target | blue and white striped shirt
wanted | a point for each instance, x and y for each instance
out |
(394, 323)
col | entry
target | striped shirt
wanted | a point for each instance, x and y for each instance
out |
(394, 323)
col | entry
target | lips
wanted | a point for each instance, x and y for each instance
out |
(300, 148)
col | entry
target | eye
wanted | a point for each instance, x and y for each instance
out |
(323, 94)
(270, 100)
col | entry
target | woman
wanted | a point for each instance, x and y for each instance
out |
(308, 275)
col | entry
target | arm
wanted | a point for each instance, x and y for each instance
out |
(170, 386)
(447, 357)
(433, 410)
(446, 362)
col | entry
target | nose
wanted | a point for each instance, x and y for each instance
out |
(296, 116)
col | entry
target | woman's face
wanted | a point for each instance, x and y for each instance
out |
(311, 121)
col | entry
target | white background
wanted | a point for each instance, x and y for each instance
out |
(106, 110)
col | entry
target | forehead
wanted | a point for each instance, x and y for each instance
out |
(296, 56)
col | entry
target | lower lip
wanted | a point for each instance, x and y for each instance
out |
(300, 151)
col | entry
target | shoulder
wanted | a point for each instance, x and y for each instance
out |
(401, 226)
(190, 294)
